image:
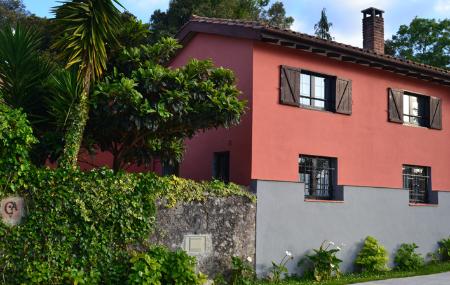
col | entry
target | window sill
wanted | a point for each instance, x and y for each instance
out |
(415, 126)
(323, 201)
(422, 205)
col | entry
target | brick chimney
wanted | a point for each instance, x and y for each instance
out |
(373, 29)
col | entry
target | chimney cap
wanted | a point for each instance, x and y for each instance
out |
(372, 12)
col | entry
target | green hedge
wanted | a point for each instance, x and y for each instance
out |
(79, 225)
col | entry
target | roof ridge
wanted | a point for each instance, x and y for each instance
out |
(270, 28)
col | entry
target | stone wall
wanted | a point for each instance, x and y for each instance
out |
(213, 231)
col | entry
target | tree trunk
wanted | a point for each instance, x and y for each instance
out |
(74, 135)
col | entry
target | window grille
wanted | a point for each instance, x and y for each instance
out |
(416, 179)
(317, 173)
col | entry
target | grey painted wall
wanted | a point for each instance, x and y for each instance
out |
(285, 221)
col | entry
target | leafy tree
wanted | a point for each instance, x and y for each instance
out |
(11, 11)
(146, 110)
(424, 40)
(169, 22)
(87, 27)
(276, 16)
(322, 28)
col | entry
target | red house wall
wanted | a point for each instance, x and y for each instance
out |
(370, 150)
(234, 54)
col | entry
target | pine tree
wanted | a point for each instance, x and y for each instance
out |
(322, 28)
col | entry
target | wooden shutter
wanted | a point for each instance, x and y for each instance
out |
(395, 105)
(290, 86)
(435, 113)
(343, 100)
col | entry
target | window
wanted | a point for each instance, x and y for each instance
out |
(319, 176)
(170, 168)
(221, 166)
(313, 91)
(415, 109)
(301, 88)
(417, 180)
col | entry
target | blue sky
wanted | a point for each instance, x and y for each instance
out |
(344, 14)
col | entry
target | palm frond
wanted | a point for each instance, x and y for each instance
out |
(88, 25)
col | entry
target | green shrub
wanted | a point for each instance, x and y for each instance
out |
(444, 249)
(173, 267)
(242, 272)
(406, 259)
(373, 257)
(324, 262)
(79, 225)
(16, 139)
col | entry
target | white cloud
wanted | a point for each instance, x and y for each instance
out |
(353, 39)
(298, 26)
(442, 7)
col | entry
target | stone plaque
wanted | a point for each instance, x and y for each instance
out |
(13, 210)
(197, 244)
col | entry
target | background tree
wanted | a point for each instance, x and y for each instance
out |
(11, 11)
(146, 110)
(322, 28)
(87, 26)
(424, 40)
(169, 22)
(276, 16)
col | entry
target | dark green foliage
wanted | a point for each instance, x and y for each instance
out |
(444, 249)
(406, 259)
(423, 40)
(322, 28)
(167, 23)
(276, 16)
(242, 272)
(373, 257)
(11, 11)
(161, 266)
(324, 263)
(146, 110)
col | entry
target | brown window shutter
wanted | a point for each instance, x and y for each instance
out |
(343, 96)
(395, 105)
(435, 113)
(290, 86)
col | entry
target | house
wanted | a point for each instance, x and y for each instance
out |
(338, 142)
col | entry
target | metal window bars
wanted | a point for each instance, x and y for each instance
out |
(416, 180)
(317, 174)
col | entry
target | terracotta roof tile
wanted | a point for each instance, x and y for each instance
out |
(263, 29)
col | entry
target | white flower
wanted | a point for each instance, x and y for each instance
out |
(332, 265)
(332, 243)
(249, 259)
(288, 253)
(338, 248)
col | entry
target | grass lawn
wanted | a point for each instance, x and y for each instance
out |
(352, 278)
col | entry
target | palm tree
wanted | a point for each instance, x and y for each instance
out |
(86, 28)
(23, 71)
